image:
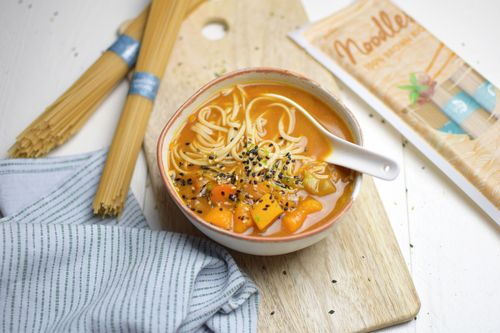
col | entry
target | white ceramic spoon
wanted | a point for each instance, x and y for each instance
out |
(350, 155)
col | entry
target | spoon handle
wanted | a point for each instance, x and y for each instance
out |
(348, 154)
(363, 160)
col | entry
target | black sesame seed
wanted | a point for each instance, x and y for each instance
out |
(222, 193)
(331, 312)
(199, 211)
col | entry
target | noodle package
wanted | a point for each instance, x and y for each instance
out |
(442, 105)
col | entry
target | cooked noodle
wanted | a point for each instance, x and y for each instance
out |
(224, 136)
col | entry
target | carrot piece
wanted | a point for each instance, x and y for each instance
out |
(221, 193)
(265, 211)
(220, 217)
(242, 218)
(310, 205)
(293, 220)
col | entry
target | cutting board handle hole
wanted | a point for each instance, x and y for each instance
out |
(215, 29)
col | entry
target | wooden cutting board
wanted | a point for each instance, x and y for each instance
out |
(358, 271)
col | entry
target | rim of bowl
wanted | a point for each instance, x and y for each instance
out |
(173, 194)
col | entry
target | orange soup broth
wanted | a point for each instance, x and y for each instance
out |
(317, 146)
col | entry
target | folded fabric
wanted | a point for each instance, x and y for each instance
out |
(62, 269)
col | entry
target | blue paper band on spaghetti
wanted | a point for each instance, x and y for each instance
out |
(144, 84)
(126, 48)
(460, 107)
(451, 127)
(485, 95)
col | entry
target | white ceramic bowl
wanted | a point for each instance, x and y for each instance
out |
(252, 244)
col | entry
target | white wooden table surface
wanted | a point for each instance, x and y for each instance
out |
(450, 246)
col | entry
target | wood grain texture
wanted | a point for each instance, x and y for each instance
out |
(373, 287)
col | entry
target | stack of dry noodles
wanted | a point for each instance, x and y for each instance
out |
(61, 120)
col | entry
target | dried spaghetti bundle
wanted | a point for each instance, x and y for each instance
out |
(70, 111)
(162, 27)
(462, 109)
(480, 89)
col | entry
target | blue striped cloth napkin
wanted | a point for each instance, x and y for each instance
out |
(63, 269)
